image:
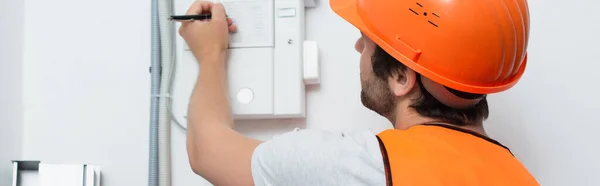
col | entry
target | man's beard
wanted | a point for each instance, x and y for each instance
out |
(377, 96)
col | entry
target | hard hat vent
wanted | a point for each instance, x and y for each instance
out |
(425, 14)
(432, 23)
(413, 11)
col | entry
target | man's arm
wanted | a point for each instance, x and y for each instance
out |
(216, 152)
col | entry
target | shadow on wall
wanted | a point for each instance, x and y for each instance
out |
(506, 125)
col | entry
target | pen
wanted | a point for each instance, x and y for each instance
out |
(193, 17)
(190, 17)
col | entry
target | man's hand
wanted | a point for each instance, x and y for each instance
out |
(208, 39)
(215, 151)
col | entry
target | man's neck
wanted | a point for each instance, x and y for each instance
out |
(405, 120)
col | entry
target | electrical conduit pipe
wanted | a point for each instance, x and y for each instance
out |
(155, 93)
(164, 121)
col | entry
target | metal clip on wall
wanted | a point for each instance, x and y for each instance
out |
(35, 173)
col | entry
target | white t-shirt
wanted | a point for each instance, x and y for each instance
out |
(318, 157)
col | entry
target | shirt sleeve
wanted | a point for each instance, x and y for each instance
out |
(318, 157)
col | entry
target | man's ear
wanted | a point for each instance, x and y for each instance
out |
(402, 82)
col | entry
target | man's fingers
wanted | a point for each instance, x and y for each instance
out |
(218, 11)
(199, 7)
(232, 28)
(206, 7)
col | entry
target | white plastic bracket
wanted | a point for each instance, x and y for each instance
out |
(312, 68)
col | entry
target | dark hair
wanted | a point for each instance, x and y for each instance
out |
(384, 66)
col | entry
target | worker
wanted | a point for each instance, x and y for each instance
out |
(426, 66)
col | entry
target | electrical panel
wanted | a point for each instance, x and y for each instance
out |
(269, 63)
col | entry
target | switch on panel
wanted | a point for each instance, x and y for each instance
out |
(286, 12)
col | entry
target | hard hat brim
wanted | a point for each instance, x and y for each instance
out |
(348, 10)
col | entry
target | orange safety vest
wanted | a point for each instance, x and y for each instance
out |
(436, 155)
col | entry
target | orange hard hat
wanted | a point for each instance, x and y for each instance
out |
(471, 46)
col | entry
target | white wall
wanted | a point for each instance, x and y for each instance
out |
(86, 90)
(11, 71)
(86, 85)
